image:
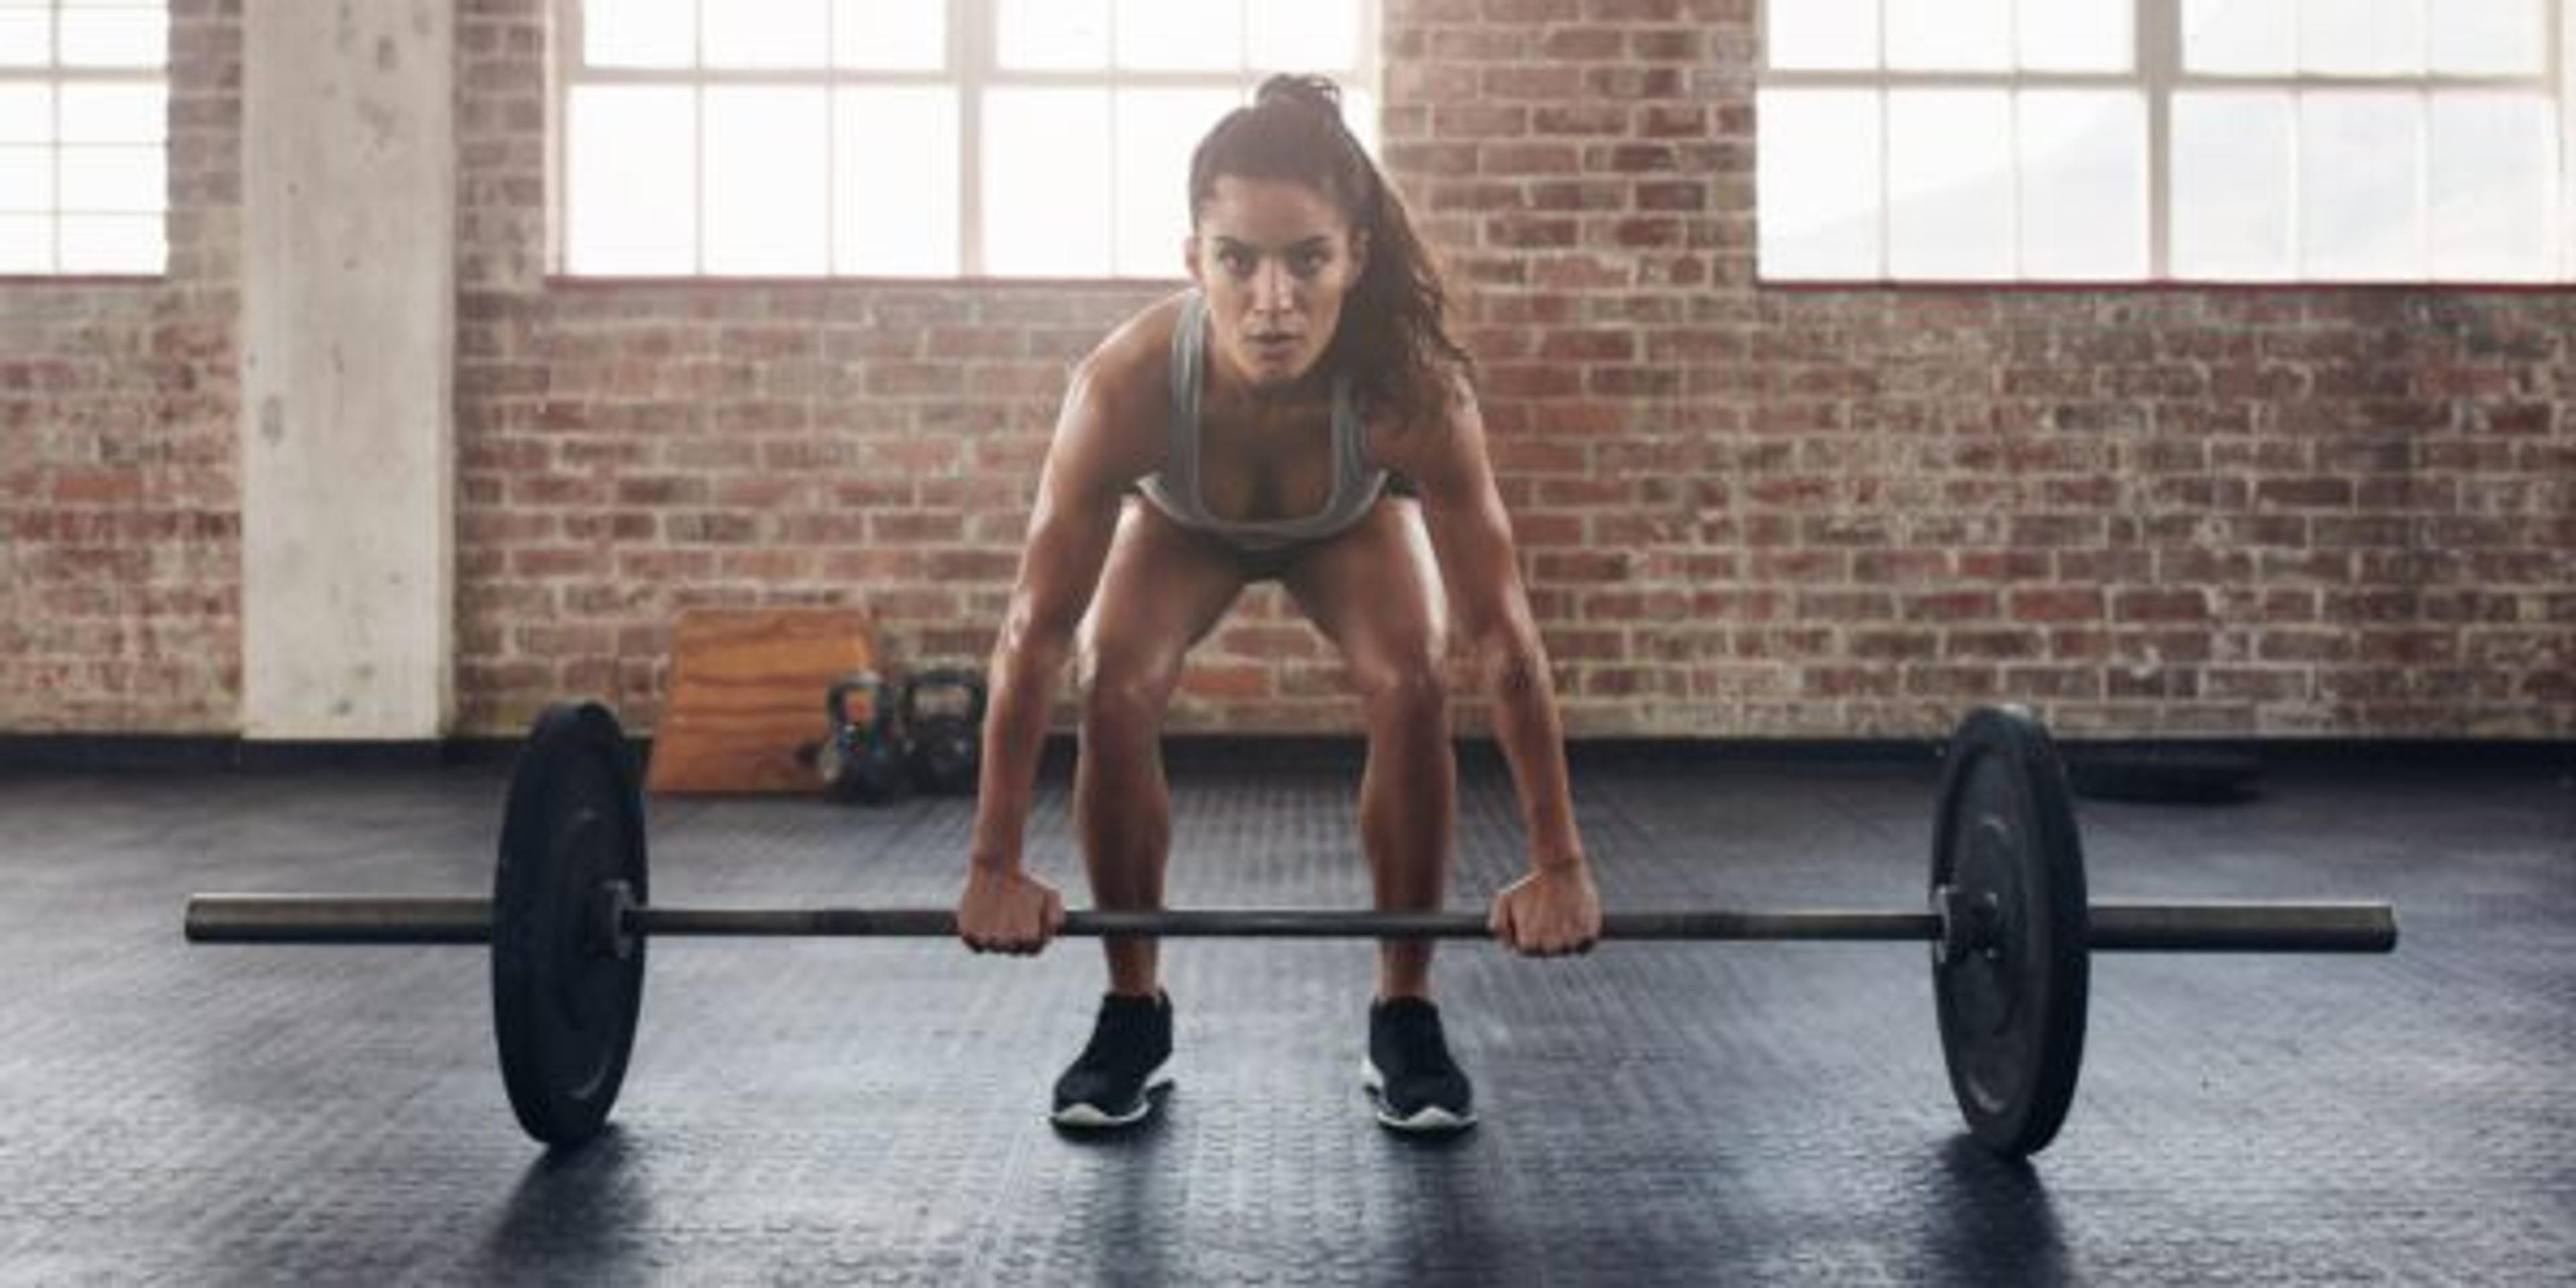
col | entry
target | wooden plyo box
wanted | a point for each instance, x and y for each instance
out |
(747, 689)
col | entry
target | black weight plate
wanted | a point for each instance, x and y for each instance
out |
(563, 1001)
(2012, 1014)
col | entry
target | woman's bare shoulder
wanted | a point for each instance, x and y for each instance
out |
(1121, 390)
(1136, 356)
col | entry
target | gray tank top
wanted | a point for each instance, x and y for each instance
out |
(1174, 489)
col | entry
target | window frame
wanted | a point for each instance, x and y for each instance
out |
(55, 74)
(973, 66)
(2158, 74)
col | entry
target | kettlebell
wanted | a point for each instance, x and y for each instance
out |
(864, 760)
(943, 718)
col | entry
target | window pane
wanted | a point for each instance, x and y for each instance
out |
(26, 178)
(26, 243)
(639, 33)
(892, 35)
(1359, 115)
(1157, 128)
(2240, 37)
(2494, 186)
(632, 196)
(2361, 166)
(26, 113)
(115, 113)
(1949, 183)
(2361, 37)
(1053, 34)
(2488, 37)
(1817, 157)
(115, 37)
(766, 178)
(1950, 35)
(111, 244)
(1821, 33)
(26, 38)
(2076, 35)
(1303, 35)
(1179, 35)
(896, 163)
(765, 33)
(113, 179)
(2232, 199)
(1047, 182)
(2083, 186)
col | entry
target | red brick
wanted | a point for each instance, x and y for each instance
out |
(1530, 232)
(1578, 567)
(1584, 44)
(1594, 120)
(2055, 604)
(2159, 606)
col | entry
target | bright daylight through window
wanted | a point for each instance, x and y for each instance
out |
(807, 138)
(2144, 140)
(84, 107)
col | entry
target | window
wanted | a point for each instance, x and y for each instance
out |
(2128, 140)
(84, 111)
(920, 138)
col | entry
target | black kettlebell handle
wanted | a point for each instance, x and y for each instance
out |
(836, 702)
(944, 677)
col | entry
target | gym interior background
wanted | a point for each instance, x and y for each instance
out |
(329, 440)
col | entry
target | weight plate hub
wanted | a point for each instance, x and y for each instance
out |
(564, 1000)
(2012, 1003)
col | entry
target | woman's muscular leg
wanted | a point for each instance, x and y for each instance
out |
(1161, 590)
(1375, 591)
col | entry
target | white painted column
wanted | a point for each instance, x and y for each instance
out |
(348, 338)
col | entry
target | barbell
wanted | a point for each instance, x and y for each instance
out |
(2008, 922)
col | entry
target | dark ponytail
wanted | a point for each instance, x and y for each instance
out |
(1394, 338)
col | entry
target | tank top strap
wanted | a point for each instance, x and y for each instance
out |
(1189, 357)
(1349, 462)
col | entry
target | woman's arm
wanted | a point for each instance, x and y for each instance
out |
(1472, 539)
(1096, 453)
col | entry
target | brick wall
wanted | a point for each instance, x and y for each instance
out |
(1855, 511)
(1765, 511)
(120, 575)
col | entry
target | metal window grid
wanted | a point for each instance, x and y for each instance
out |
(973, 66)
(53, 74)
(2157, 72)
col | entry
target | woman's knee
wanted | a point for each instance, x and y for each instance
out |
(1125, 690)
(1410, 686)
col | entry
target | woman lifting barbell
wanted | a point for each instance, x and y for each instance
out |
(1246, 430)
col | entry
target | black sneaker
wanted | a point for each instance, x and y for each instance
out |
(1117, 1080)
(1408, 1072)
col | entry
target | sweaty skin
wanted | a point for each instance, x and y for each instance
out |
(1122, 589)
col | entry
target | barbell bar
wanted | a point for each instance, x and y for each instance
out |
(2111, 925)
(2007, 918)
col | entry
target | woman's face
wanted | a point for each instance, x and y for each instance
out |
(1274, 258)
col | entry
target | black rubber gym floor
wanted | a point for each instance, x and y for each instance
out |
(842, 1111)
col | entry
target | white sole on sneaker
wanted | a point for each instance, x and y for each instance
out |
(1089, 1117)
(1429, 1120)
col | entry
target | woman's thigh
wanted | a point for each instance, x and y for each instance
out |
(1374, 590)
(1162, 589)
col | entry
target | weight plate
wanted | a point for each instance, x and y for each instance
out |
(2012, 1007)
(564, 1000)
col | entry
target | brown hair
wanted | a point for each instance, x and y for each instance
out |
(1394, 338)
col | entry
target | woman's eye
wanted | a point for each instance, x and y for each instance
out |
(1307, 263)
(1235, 261)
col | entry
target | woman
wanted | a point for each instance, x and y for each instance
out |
(1257, 420)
